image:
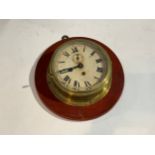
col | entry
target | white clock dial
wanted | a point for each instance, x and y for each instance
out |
(79, 65)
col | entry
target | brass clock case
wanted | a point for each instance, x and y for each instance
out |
(85, 97)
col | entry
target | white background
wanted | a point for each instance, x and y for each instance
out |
(22, 42)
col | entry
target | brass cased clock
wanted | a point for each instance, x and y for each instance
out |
(79, 78)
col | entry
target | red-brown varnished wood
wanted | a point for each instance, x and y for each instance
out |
(77, 112)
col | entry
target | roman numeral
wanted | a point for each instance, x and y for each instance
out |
(67, 79)
(84, 48)
(76, 84)
(92, 53)
(99, 69)
(98, 60)
(97, 78)
(66, 54)
(87, 84)
(74, 49)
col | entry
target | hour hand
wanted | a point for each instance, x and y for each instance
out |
(65, 70)
(70, 69)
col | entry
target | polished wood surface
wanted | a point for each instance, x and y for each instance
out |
(77, 112)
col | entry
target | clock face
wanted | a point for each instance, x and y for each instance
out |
(79, 65)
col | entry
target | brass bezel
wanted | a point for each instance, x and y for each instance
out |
(81, 98)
